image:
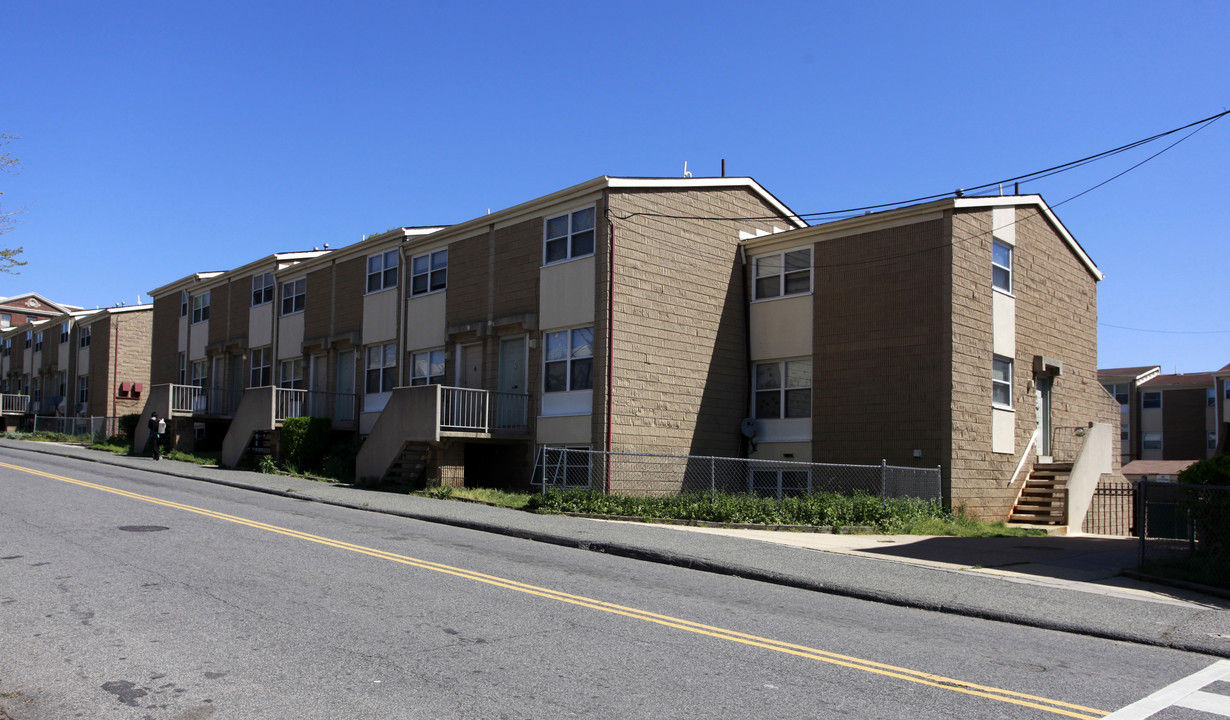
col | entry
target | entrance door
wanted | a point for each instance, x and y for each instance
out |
(512, 408)
(346, 401)
(236, 384)
(318, 385)
(1043, 397)
(471, 369)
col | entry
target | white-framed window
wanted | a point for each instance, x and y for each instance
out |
(1226, 390)
(569, 360)
(38, 342)
(29, 339)
(36, 389)
(181, 375)
(569, 236)
(1124, 435)
(569, 466)
(294, 295)
(429, 273)
(782, 274)
(200, 308)
(83, 389)
(261, 373)
(779, 483)
(290, 374)
(83, 336)
(382, 271)
(200, 373)
(6, 347)
(1151, 400)
(1211, 397)
(427, 368)
(1001, 382)
(184, 301)
(1001, 266)
(782, 389)
(262, 288)
(1152, 441)
(1212, 441)
(6, 320)
(381, 373)
(1119, 391)
(62, 383)
(64, 333)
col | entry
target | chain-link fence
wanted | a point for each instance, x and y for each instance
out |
(85, 430)
(1184, 531)
(662, 475)
(1112, 510)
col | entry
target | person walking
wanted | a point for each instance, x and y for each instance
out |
(156, 428)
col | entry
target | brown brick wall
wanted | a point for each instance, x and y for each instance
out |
(880, 387)
(469, 279)
(1184, 424)
(238, 313)
(318, 304)
(164, 343)
(219, 315)
(1056, 316)
(351, 285)
(680, 362)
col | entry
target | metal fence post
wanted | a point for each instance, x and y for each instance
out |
(1141, 514)
(713, 478)
(883, 480)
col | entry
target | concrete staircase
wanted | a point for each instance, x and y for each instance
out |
(409, 468)
(1041, 501)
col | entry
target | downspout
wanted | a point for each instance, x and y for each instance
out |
(747, 337)
(610, 343)
(115, 369)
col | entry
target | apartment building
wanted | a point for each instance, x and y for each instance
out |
(1179, 417)
(960, 333)
(1123, 384)
(86, 363)
(29, 307)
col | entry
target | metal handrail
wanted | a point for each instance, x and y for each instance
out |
(473, 410)
(14, 403)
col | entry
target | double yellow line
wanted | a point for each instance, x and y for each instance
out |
(900, 673)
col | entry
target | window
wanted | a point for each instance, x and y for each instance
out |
(38, 342)
(429, 273)
(1124, 435)
(382, 271)
(83, 337)
(427, 368)
(1001, 382)
(381, 368)
(782, 274)
(181, 376)
(783, 389)
(1211, 397)
(779, 483)
(293, 296)
(6, 347)
(64, 333)
(200, 373)
(29, 338)
(1001, 266)
(36, 389)
(1152, 441)
(1212, 441)
(62, 384)
(200, 308)
(183, 304)
(1151, 400)
(83, 389)
(569, 361)
(261, 374)
(290, 374)
(262, 289)
(6, 320)
(1227, 390)
(569, 236)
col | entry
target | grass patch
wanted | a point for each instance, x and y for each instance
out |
(200, 457)
(490, 496)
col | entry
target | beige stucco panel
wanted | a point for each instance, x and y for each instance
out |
(260, 325)
(1003, 431)
(197, 340)
(426, 321)
(565, 430)
(789, 451)
(380, 317)
(1003, 324)
(1151, 420)
(566, 294)
(83, 361)
(1003, 224)
(183, 334)
(290, 336)
(782, 328)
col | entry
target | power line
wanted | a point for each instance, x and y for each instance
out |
(1167, 332)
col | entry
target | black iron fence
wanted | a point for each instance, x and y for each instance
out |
(1184, 531)
(1112, 510)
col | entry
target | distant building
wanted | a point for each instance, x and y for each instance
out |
(1124, 385)
(29, 307)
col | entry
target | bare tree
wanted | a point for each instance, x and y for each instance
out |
(9, 164)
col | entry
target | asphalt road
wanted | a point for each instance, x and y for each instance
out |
(129, 594)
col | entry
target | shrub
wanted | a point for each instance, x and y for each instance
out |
(305, 441)
(128, 427)
(1209, 508)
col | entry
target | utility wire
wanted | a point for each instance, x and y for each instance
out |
(1167, 332)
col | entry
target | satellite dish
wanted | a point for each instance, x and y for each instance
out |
(749, 427)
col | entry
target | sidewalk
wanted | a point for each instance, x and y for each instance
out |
(1069, 584)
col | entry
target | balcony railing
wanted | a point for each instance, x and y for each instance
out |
(1066, 443)
(210, 401)
(14, 404)
(290, 402)
(469, 410)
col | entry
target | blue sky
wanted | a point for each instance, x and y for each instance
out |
(164, 138)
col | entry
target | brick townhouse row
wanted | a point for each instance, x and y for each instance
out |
(658, 315)
(62, 361)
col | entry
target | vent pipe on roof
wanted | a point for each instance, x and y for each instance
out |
(723, 167)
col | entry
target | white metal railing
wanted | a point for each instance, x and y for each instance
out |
(293, 402)
(473, 410)
(289, 402)
(194, 400)
(14, 403)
